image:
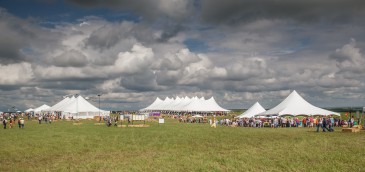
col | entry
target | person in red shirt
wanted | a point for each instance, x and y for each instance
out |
(304, 122)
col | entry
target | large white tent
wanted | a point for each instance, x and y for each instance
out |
(41, 108)
(252, 111)
(77, 107)
(29, 110)
(60, 104)
(295, 105)
(185, 104)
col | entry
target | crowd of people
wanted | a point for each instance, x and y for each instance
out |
(9, 120)
(324, 123)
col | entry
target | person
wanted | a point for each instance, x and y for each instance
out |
(19, 125)
(332, 121)
(311, 121)
(22, 122)
(5, 122)
(11, 123)
(40, 119)
(319, 123)
(304, 122)
(324, 124)
(276, 122)
(351, 121)
(116, 123)
(109, 122)
(214, 124)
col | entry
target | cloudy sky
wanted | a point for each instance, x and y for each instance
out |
(130, 52)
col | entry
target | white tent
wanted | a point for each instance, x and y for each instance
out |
(29, 110)
(295, 105)
(41, 108)
(80, 108)
(59, 104)
(185, 104)
(154, 104)
(252, 111)
(197, 116)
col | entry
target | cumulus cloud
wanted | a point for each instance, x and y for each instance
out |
(136, 61)
(16, 74)
(349, 58)
(270, 51)
(71, 58)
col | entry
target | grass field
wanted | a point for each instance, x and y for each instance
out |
(173, 146)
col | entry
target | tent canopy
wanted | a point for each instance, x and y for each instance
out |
(185, 104)
(41, 108)
(29, 110)
(77, 107)
(295, 105)
(252, 111)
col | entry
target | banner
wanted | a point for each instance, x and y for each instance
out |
(138, 117)
(161, 121)
(155, 114)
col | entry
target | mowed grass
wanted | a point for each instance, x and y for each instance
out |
(173, 146)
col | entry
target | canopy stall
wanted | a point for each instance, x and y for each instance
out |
(185, 104)
(77, 107)
(295, 105)
(252, 111)
(41, 108)
(29, 110)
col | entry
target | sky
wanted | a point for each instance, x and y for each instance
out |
(131, 52)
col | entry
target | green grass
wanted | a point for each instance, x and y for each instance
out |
(62, 146)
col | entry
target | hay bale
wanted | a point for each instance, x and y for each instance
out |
(134, 126)
(357, 126)
(351, 130)
(347, 130)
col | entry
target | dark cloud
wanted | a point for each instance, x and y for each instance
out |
(15, 35)
(170, 31)
(108, 36)
(71, 58)
(232, 11)
(140, 82)
(177, 10)
(84, 84)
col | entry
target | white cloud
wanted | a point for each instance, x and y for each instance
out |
(16, 74)
(135, 61)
